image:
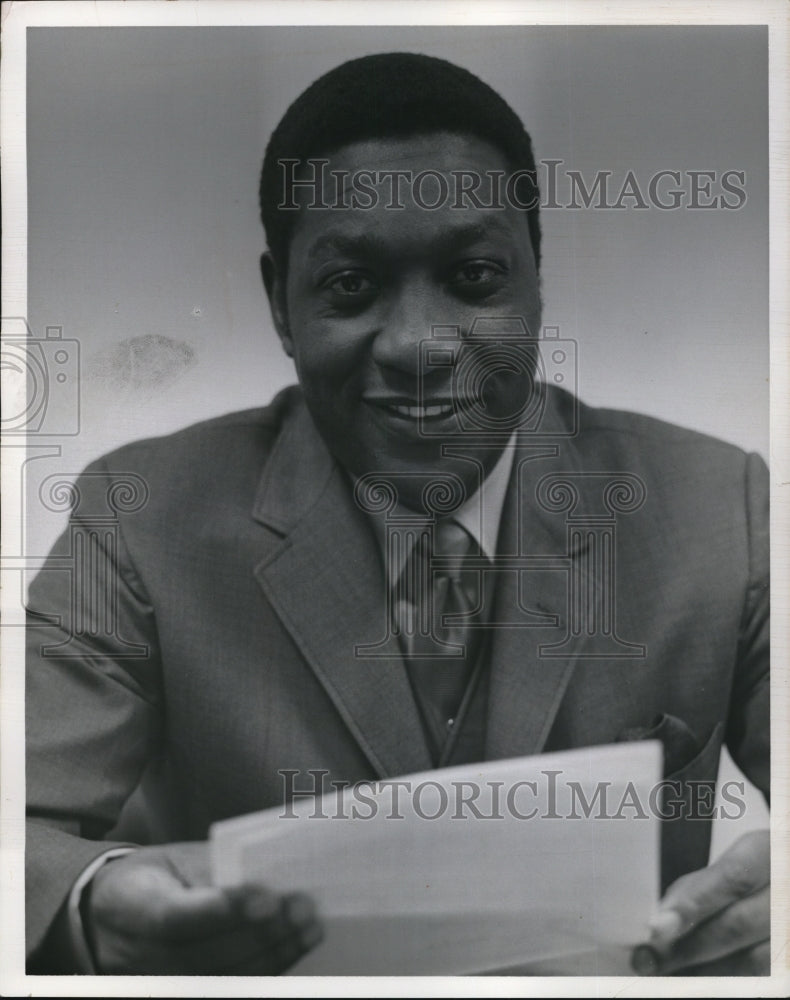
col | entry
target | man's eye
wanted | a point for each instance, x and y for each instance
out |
(350, 284)
(477, 276)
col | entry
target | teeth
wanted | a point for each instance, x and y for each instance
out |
(416, 412)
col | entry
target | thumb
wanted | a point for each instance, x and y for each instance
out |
(741, 871)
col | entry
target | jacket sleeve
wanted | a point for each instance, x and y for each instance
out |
(93, 694)
(748, 728)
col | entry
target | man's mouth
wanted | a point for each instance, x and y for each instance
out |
(415, 411)
(410, 409)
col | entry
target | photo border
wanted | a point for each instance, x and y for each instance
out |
(16, 18)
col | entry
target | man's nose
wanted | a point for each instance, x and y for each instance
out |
(407, 323)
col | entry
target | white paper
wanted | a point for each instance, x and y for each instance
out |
(535, 870)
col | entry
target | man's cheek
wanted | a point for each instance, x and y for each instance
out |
(329, 352)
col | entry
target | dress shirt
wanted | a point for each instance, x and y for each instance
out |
(480, 514)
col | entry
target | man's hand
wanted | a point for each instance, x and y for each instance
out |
(715, 921)
(154, 912)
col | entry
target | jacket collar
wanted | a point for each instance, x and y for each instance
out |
(297, 473)
(300, 467)
(326, 581)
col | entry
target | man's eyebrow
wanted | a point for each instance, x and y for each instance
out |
(340, 243)
(446, 239)
(455, 237)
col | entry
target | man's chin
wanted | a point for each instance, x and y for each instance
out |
(430, 484)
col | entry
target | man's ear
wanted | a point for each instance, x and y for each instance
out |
(274, 283)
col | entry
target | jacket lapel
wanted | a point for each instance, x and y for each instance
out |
(325, 579)
(526, 686)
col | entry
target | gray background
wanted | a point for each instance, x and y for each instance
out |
(144, 151)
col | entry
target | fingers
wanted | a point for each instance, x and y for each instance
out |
(188, 914)
(267, 940)
(299, 931)
(287, 932)
(273, 934)
(742, 924)
(719, 914)
(742, 870)
(143, 919)
(754, 961)
(736, 928)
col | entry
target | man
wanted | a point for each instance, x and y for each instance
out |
(255, 578)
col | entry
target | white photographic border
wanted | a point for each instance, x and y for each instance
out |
(16, 18)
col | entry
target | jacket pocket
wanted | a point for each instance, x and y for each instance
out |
(687, 810)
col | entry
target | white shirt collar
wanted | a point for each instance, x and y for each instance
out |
(480, 514)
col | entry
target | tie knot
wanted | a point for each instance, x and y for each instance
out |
(452, 539)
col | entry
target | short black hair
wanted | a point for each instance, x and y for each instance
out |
(394, 94)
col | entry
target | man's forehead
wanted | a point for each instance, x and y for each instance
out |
(356, 232)
(440, 149)
(440, 190)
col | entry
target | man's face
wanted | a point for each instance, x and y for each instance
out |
(365, 287)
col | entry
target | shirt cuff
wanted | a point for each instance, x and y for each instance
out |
(77, 939)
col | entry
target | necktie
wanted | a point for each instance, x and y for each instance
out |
(434, 601)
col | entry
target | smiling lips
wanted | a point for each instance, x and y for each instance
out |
(420, 412)
(414, 411)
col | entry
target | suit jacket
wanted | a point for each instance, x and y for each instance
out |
(241, 578)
